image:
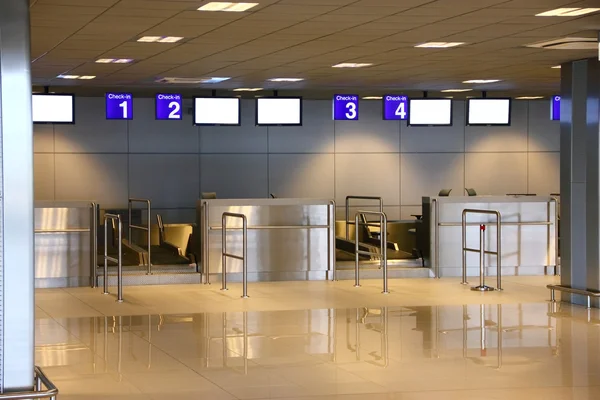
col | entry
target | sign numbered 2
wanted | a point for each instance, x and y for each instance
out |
(168, 106)
(345, 107)
(395, 107)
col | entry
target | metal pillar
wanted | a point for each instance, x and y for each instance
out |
(16, 200)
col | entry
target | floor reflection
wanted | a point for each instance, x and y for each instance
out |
(326, 351)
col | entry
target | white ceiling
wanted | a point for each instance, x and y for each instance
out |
(304, 38)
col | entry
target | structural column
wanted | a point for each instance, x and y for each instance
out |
(16, 200)
(580, 175)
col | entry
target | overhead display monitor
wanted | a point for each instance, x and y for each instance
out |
(119, 106)
(168, 106)
(216, 111)
(488, 111)
(430, 112)
(395, 107)
(345, 107)
(53, 108)
(279, 111)
(555, 108)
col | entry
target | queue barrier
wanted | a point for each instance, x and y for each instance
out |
(382, 243)
(244, 255)
(142, 228)
(118, 260)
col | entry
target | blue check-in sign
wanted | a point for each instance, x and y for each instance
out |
(395, 107)
(345, 107)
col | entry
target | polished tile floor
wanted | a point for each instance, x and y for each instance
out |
(429, 339)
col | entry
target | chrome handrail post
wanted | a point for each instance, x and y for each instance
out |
(383, 241)
(347, 217)
(223, 252)
(149, 238)
(464, 245)
(482, 256)
(93, 245)
(245, 257)
(120, 263)
(105, 256)
(499, 250)
(331, 210)
(356, 252)
(205, 246)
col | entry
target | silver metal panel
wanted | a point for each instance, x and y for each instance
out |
(448, 139)
(496, 173)
(302, 175)
(316, 135)
(148, 135)
(93, 133)
(169, 180)
(429, 173)
(528, 242)
(544, 173)
(234, 175)
(500, 138)
(544, 134)
(43, 170)
(370, 134)
(92, 176)
(248, 138)
(282, 246)
(354, 174)
(16, 201)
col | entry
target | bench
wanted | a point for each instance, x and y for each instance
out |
(568, 289)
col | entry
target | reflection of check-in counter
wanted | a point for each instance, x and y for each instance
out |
(529, 234)
(288, 239)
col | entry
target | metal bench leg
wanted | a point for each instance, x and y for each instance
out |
(589, 302)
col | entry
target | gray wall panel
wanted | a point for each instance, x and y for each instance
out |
(234, 175)
(247, 138)
(92, 132)
(302, 175)
(406, 212)
(98, 177)
(544, 173)
(43, 176)
(169, 180)
(368, 175)
(544, 134)
(496, 173)
(316, 135)
(370, 134)
(500, 138)
(146, 135)
(43, 138)
(426, 174)
(436, 139)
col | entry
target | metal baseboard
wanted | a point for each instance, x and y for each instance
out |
(141, 279)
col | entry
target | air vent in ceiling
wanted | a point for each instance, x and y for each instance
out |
(568, 43)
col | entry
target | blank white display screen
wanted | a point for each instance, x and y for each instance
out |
(430, 112)
(488, 112)
(52, 108)
(216, 111)
(279, 111)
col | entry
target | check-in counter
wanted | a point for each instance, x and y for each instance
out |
(529, 236)
(288, 239)
(64, 234)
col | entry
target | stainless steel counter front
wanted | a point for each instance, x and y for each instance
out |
(64, 235)
(288, 239)
(529, 234)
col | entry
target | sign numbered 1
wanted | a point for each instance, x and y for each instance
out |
(345, 107)
(395, 107)
(119, 106)
(168, 106)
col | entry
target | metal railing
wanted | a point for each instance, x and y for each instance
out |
(118, 260)
(142, 228)
(348, 198)
(568, 289)
(40, 380)
(482, 251)
(244, 255)
(93, 244)
(382, 243)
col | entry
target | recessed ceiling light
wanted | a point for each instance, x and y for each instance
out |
(482, 81)
(439, 45)
(87, 77)
(247, 89)
(68, 76)
(529, 97)
(568, 12)
(160, 39)
(556, 67)
(286, 79)
(191, 81)
(372, 98)
(227, 6)
(456, 90)
(351, 65)
(114, 60)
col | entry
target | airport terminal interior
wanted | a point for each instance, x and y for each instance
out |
(300, 199)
